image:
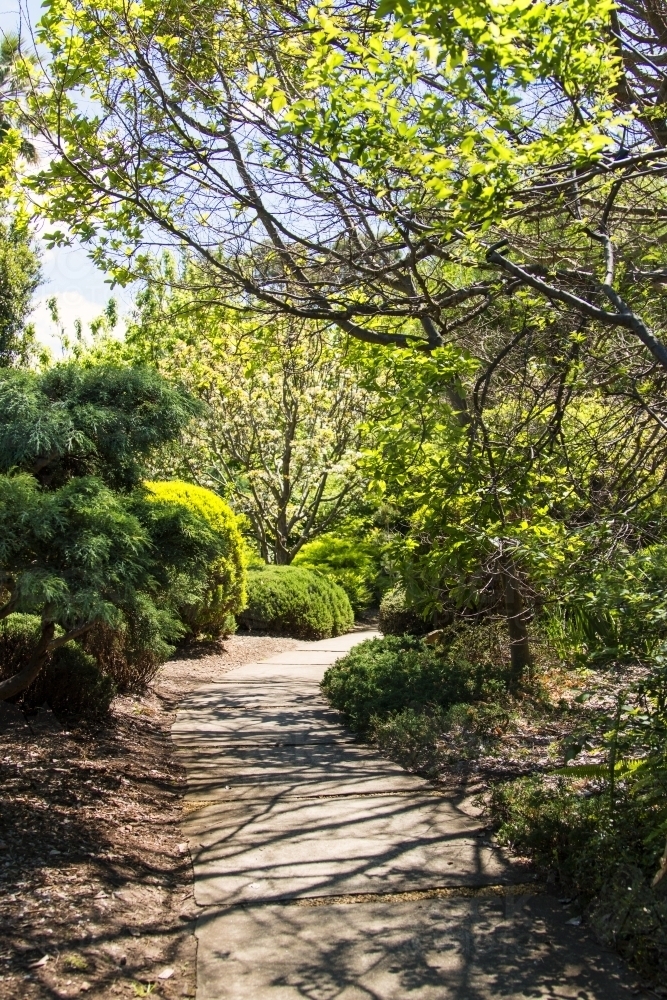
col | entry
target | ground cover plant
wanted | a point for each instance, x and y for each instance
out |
(597, 827)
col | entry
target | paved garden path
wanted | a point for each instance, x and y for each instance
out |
(325, 872)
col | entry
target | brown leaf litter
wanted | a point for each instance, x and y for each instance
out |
(96, 883)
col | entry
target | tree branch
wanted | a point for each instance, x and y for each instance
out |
(624, 316)
(24, 678)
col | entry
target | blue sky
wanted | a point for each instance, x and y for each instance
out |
(69, 275)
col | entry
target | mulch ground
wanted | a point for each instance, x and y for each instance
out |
(535, 733)
(96, 885)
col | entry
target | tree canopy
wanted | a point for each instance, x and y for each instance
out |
(280, 433)
(250, 136)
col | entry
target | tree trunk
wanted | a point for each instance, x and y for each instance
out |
(521, 660)
(281, 555)
(20, 681)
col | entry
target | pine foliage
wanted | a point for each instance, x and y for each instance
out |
(80, 543)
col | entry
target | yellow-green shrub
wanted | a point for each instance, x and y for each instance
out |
(225, 594)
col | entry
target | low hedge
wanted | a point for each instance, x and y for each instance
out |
(71, 683)
(605, 858)
(294, 601)
(381, 677)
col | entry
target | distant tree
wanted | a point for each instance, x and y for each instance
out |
(19, 278)
(81, 542)
(281, 433)
(19, 260)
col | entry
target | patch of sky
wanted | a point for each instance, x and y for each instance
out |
(80, 289)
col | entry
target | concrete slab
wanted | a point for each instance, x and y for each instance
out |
(344, 643)
(509, 948)
(277, 722)
(256, 686)
(188, 743)
(318, 884)
(283, 848)
(203, 789)
(314, 769)
(294, 657)
(253, 692)
(308, 675)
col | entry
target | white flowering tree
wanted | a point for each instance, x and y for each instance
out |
(282, 435)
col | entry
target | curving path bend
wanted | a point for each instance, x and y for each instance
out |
(325, 872)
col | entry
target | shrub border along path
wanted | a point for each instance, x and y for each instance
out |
(322, 869)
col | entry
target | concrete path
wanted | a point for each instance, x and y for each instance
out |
(325, 872)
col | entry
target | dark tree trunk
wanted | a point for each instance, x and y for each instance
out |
(281, 555)
(47, 644)
(24, 678)
(521, 660)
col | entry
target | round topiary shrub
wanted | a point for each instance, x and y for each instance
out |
(396, 618)
(294, 601)
(225, 594)
(71, 683)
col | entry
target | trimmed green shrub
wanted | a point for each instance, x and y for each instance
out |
(396, 618)
(294, 601)
(18, 637)
(381, 677)
(132, 655)
(354, 564)
(72, 684)
(212, 613)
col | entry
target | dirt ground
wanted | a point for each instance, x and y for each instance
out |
(95, 881)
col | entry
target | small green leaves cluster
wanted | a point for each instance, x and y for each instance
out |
(460, 103)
